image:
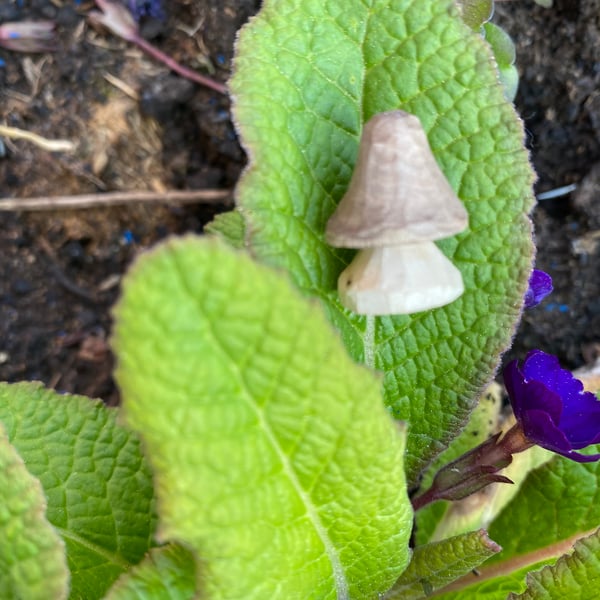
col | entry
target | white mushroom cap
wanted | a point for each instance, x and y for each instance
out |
(397, 194)
(402, 279)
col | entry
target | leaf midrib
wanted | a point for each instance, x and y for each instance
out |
(110, 557)
(338, 572)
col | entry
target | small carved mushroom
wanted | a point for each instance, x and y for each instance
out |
(397, 203)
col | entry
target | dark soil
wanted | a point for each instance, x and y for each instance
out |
(558, 56)
(60, 271)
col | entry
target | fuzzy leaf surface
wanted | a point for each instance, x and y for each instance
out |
(556, 502)
(307, 76)
(483, 422)
(275, 459)
(574, 576)
(32, 555)
(435, 565)
(97, 484)
(556, 505)
(166, 573)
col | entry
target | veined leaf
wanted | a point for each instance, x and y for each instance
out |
(167, 573)
(308, 74)
(435, 565)
(557, 501)
(32, 555)
(574, 576)
(96, 481)
(483, 422)
(557, 504)
(274, 457)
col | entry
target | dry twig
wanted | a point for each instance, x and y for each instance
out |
(50, 145)
(115, 199)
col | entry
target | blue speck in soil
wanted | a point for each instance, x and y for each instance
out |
(2, 63)
(129, 237)
(552, 306)
(220, 59)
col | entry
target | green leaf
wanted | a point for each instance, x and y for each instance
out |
(435, 565)
(505, 54)
(274, 457)
(477, 586)
(483, 422)
(230, 226)
(573, 576)
(167, 573)
(475, 12)
(308, 74)
(556, 502)
(32, 555)
(96, 481)
(501, 43)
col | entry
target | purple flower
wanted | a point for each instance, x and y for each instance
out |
(551, 406)
(540, 285)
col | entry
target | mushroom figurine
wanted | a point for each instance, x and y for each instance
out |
(398, 202)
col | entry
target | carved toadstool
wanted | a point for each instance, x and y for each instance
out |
(397, 203)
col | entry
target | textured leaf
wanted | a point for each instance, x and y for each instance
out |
(435, 565)
(505, 55)
(576, 574)
(32, 555)
(274, 457)
(573, 576)
(167, 573)
(97, 484)
(556, 502)
(501, 43)
(479, 587)
(475, 12)
(483, 422)
(308, 74)
(229, 225)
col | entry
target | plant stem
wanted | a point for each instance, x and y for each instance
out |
(175, 66)
(369, 342)
(423, 500)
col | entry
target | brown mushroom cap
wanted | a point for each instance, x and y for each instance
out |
(397, 194)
